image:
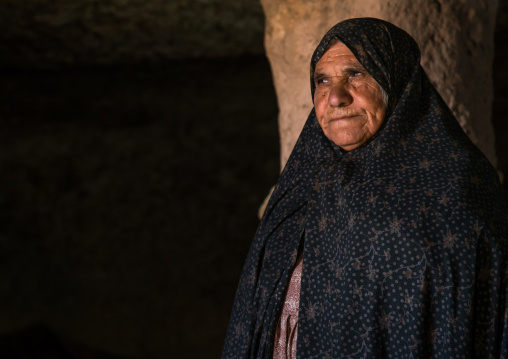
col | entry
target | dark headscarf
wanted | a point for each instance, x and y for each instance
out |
(404, 239)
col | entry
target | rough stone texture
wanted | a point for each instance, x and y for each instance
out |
(456, 38)
(49, 33)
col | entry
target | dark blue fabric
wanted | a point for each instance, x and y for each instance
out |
(404, 239)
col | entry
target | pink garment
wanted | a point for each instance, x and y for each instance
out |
(286, 332)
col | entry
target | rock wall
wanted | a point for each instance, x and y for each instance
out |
(456, 39)
(49, 33)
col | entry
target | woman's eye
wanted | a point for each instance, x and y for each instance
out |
(321, 80)
(356, 74)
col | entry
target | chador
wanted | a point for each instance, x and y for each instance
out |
(386, 235)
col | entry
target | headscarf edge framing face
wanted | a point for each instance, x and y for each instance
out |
(357, 40)
(418, 189)
(375, 48)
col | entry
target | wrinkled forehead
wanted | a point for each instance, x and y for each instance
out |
(387, 52)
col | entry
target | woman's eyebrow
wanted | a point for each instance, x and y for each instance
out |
(353, 68)
(350, 69)
(319, 75)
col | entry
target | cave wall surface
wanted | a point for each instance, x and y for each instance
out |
(456, 39)
(49, 33)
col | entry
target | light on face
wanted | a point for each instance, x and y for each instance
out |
(349, 103)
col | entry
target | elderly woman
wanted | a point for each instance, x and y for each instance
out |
(386, 235)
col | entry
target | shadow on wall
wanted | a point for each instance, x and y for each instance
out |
(130, 199)
(500, 105)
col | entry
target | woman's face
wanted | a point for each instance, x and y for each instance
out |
(348, 101)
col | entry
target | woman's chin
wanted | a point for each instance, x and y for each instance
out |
(348, 142)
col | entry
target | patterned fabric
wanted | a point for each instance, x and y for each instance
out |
(404, 239)
(286, 333)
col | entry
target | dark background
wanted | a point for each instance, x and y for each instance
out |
(131, 180)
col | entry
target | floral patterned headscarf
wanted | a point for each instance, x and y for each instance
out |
(404, 239)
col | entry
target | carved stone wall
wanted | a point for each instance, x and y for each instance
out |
(49, 33)
(456, 39)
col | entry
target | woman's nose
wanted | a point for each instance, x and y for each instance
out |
(339, 96)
